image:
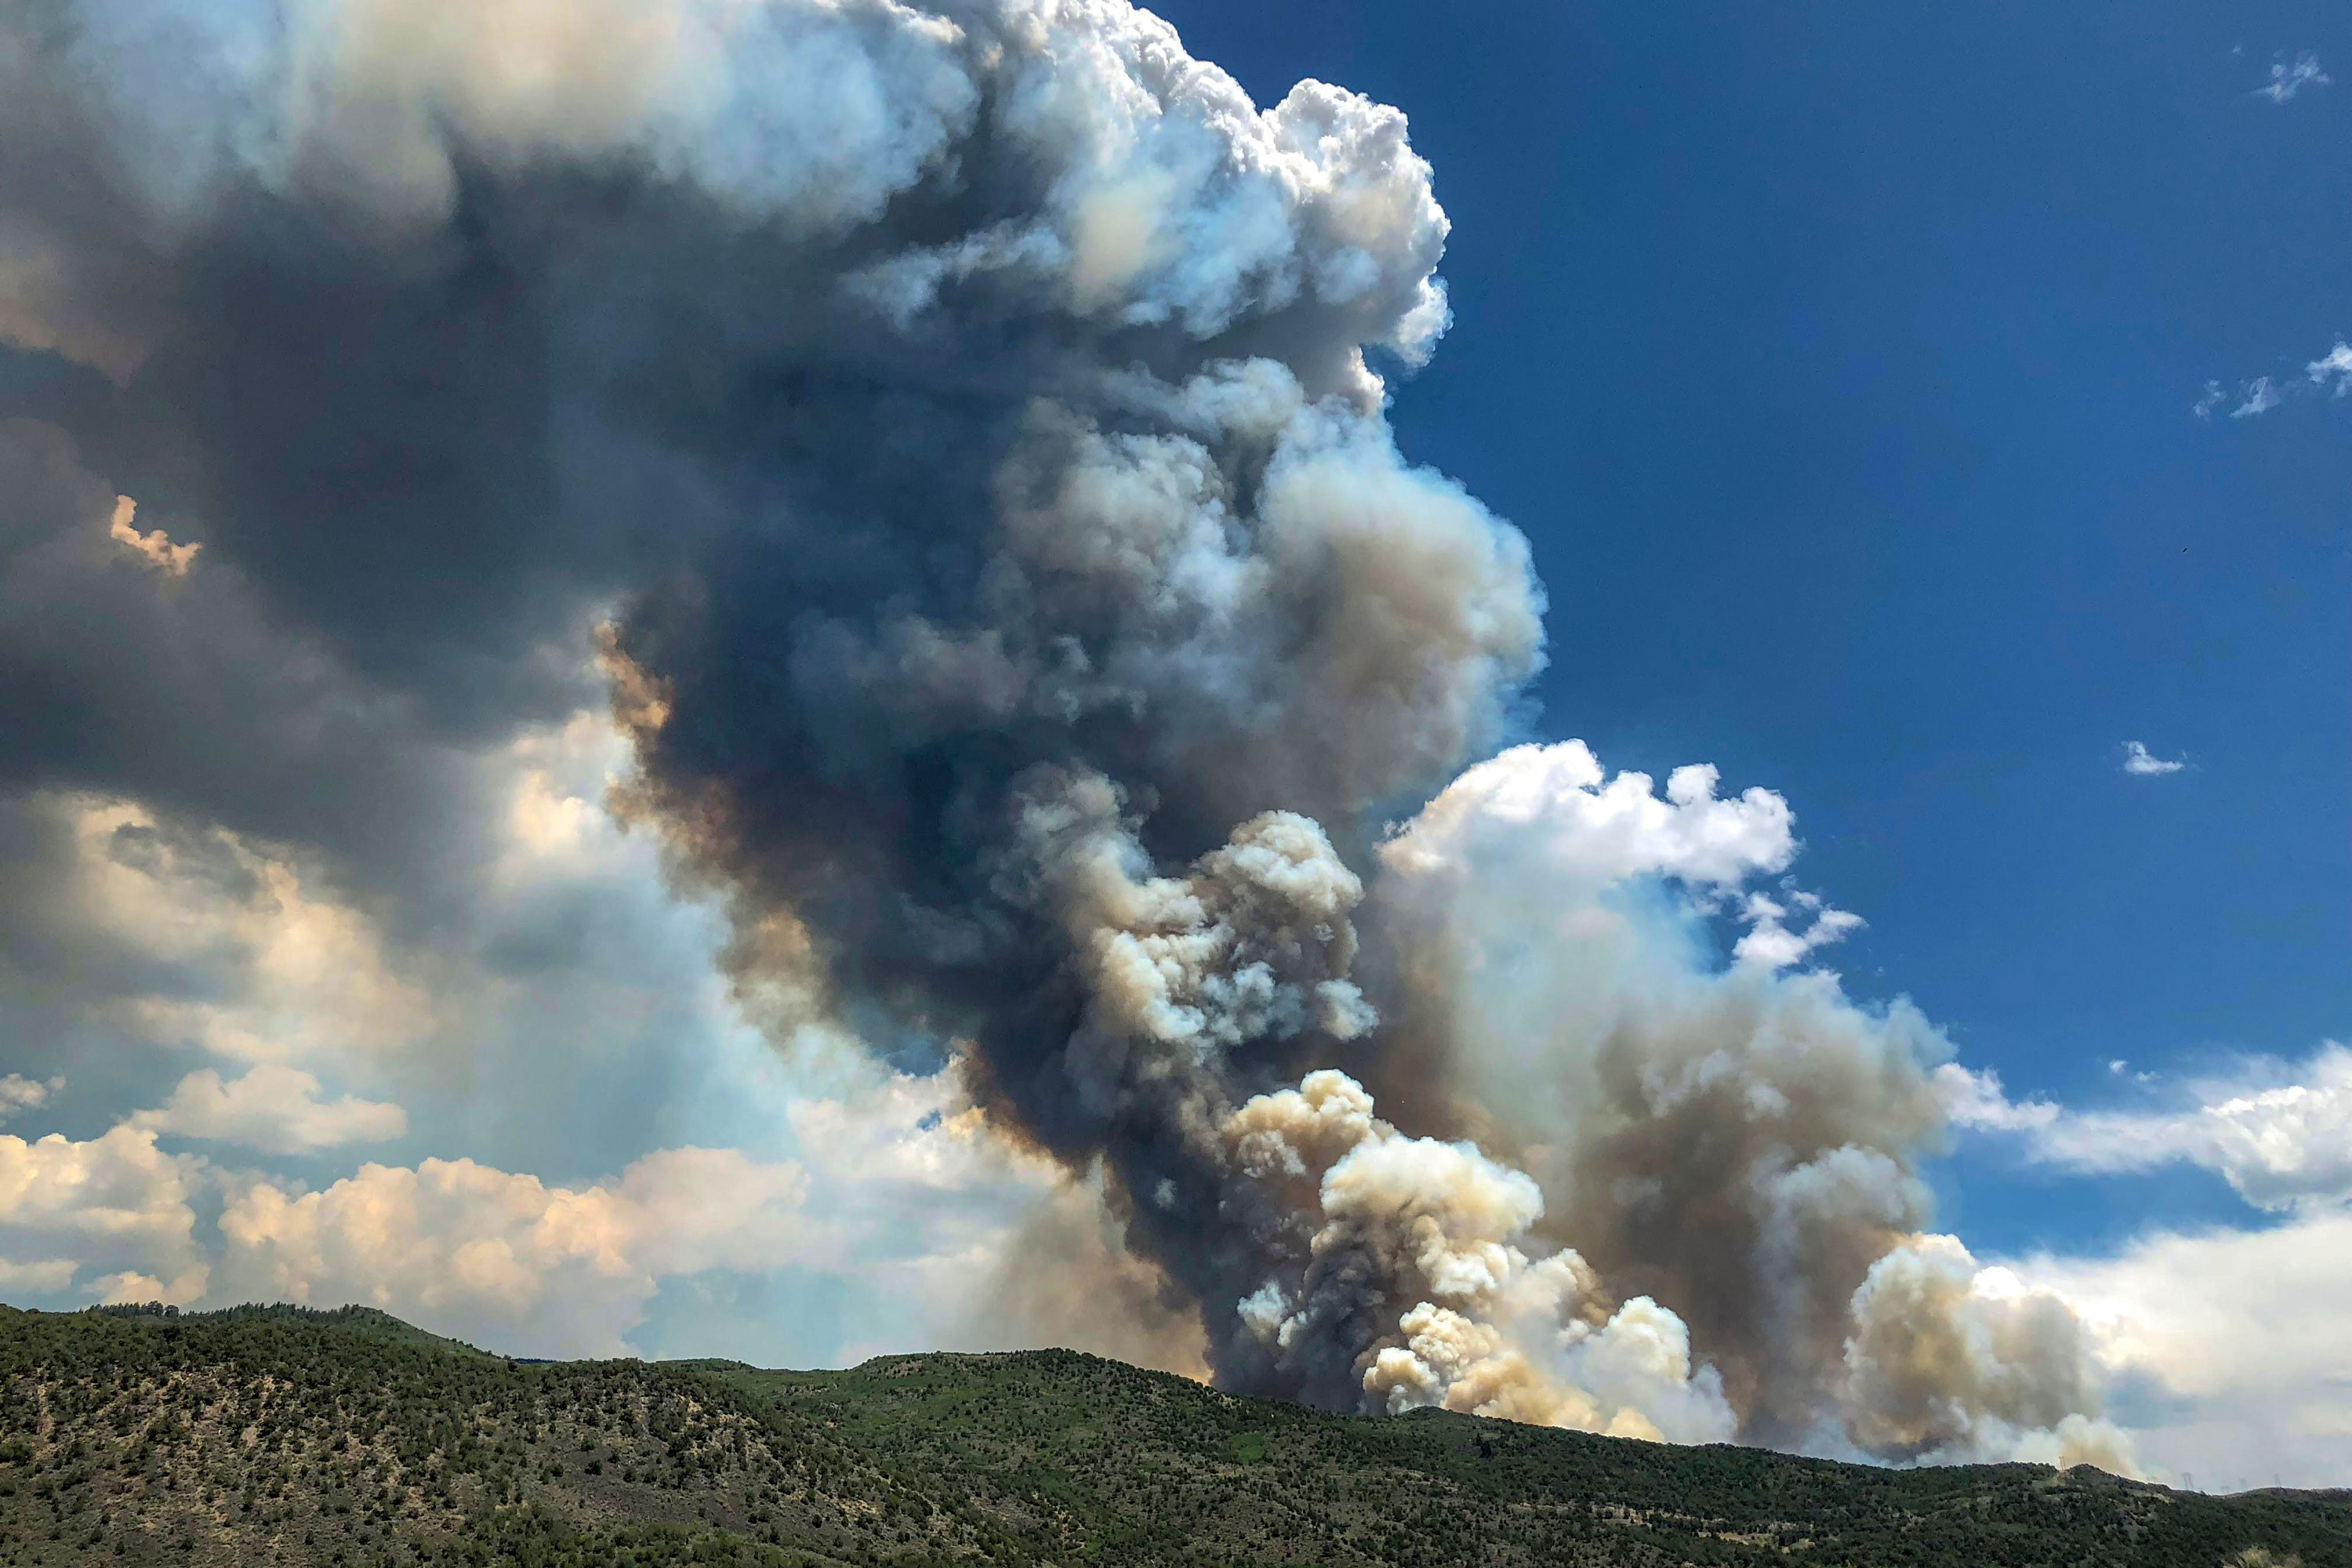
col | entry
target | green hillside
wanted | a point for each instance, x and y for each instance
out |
(278, 1436)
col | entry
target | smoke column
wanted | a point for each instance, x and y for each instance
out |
(965, 424)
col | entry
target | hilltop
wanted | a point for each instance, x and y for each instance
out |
(283, 1435)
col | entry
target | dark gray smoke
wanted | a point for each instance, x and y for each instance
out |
(964, 425)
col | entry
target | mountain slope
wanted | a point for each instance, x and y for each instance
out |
(279, 1436)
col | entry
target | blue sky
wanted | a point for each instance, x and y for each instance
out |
(1841, 362)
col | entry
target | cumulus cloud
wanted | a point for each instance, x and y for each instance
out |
(2225, 1348)
(113, 1213)
(556, 972)
(2139, 762)
(190, 936)
(2279, 1144)
(902, 1188)
(499, 1255)
(272, 1108)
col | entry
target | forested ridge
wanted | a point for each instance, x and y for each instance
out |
(286, 1435)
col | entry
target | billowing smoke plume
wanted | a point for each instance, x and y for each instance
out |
(1736, 1144)
(965, 423)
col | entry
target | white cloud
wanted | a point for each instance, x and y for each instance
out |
(500, 1256)
(905, 1194)
(2237, 1340)
(19, 1093)
(2139, 762)
(2334, 367)
(907, 1190)
(2288, 1144)
(1976, 1099)
(114, 1202)
(44, 1276)
(2260, 397)
(2331, 373)
(274, 1108)
(910, 1147)
(155, 546)
(2279, 1146)
(609, 1021)
(289, 970)
(552, 964)
(2289, 78)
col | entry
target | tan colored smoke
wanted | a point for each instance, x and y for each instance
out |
(1739, 1141)
(1418, 1248)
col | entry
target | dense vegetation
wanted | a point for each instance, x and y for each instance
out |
(279, 1436)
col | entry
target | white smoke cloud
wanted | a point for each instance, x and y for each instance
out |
(1181, 972)
(1064, 1276)
(1177, 200)
(1559, 802)
(44, 305)
(811, 111)
(1595, 832)
(1770, 943)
